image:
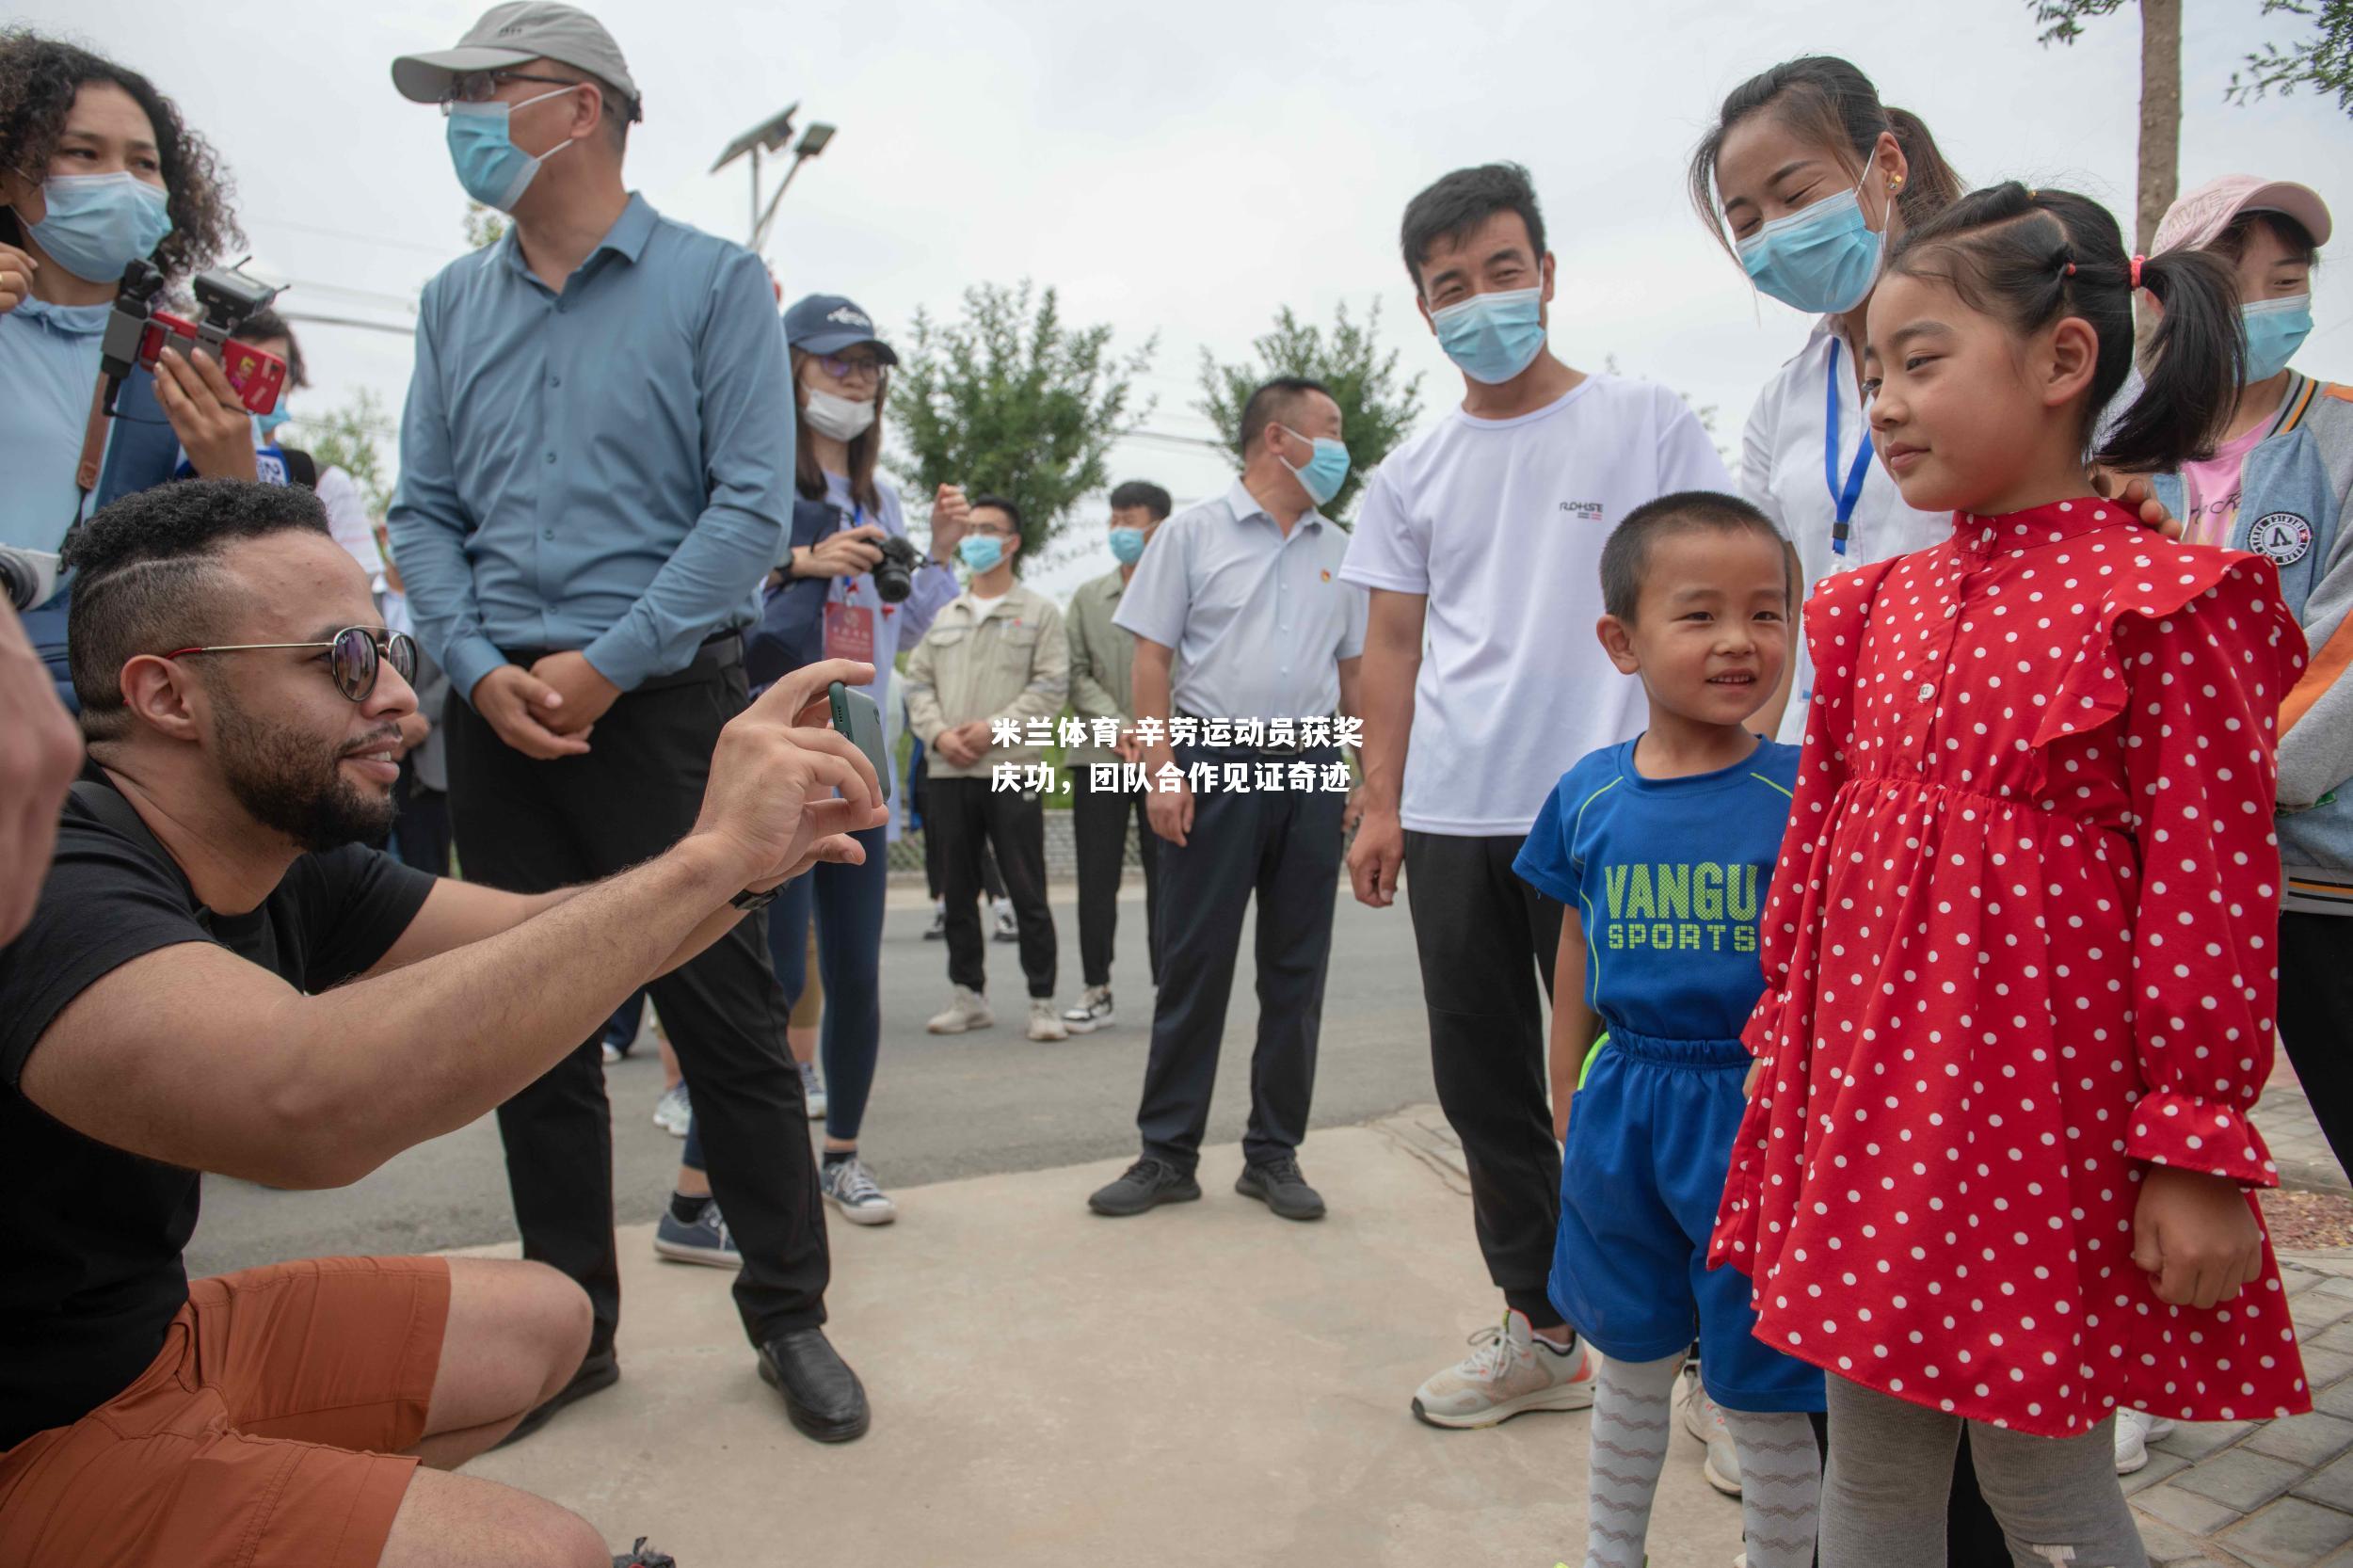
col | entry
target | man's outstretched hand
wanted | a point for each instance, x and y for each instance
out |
(771, 800)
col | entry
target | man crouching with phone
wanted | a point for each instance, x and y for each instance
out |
(219, 977)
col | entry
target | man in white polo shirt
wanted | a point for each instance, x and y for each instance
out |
(1483, 535)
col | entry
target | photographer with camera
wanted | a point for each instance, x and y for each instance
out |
(220, 978)
(596, 478)
(879, 592)
(97, 172)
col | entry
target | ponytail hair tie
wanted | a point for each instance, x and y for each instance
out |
(2071, 269)
(2137, 260)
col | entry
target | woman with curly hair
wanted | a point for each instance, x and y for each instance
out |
(97, 172)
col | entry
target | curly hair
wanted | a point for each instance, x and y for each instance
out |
(38, 78)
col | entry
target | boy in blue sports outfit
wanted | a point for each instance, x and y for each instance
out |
(1661, 849)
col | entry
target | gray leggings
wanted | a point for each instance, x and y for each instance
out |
(1891, 1467)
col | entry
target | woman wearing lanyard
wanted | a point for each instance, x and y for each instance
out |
(840, 377)
(1808, 178)
(97, 172)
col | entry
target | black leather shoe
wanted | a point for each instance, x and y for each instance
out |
(822, 1398)
(1278, 1184)
(600, 1371)
(1148, 1184)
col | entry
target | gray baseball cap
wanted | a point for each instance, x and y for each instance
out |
(510, 34)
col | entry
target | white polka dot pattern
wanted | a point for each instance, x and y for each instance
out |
(2018, 945)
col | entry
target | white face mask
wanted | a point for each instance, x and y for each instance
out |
(838, 416)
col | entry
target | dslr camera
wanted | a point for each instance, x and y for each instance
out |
(27, 577)
(226, 297)
(894, 574)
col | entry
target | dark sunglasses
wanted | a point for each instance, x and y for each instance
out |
(480, 86)
(355, 654)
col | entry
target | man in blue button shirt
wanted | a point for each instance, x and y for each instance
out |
(596, 474)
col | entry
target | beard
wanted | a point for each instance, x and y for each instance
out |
(292, 782)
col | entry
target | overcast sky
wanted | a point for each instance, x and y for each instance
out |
(1184, 169)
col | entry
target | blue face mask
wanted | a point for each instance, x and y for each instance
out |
(493, 169)
(981, 551)
(267, 423)
(98, 224)
(1822, 258)
(1493, 337)
(1126, 545)
(1325, 473)
(2276, 329)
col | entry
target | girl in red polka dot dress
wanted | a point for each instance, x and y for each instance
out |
(2019, 948)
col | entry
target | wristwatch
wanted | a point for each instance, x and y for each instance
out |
(748, 900)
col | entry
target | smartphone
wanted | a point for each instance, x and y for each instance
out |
(856, 715)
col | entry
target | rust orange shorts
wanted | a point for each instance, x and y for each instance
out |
(262, 1435)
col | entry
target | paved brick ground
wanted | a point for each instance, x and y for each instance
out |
(2296, 1146)
(2266, 1494)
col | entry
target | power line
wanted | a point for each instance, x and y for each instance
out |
(443, 253)
(309, 319)
(391, 302)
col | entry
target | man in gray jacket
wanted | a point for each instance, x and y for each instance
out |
(1103, 800)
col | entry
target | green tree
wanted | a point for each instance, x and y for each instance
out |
(1012, 400)
(485, 224)
(2323, 62)
(1376, 409)
(2160, 172)
(350, 437)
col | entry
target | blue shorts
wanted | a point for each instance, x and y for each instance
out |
(1649, 1143)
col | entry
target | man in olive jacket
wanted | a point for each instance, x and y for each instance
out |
(1102, 666)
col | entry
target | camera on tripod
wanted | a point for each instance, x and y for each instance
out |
(226, 297)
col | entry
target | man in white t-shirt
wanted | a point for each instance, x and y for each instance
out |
(1480, 541)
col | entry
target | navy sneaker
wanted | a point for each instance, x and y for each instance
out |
(703, 1240)
(640, 1557)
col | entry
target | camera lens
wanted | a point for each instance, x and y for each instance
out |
(894, 574)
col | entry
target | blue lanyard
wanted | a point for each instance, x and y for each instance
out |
(1843, 500)
(847, 586)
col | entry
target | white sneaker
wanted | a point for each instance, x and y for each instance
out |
(1702, 1420)
(2135, 1431)
(1094, 1011)
(1008, 927)
(1043, 1025)
(966, 1009)
(848, 1186)
(672, 1110)
(813, 1091)
(1509, 1371)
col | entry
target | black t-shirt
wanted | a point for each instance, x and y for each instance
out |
(93, 1272)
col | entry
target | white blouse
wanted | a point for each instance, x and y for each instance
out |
(1788, 464)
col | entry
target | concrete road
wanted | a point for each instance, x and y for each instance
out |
(943, 1108)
